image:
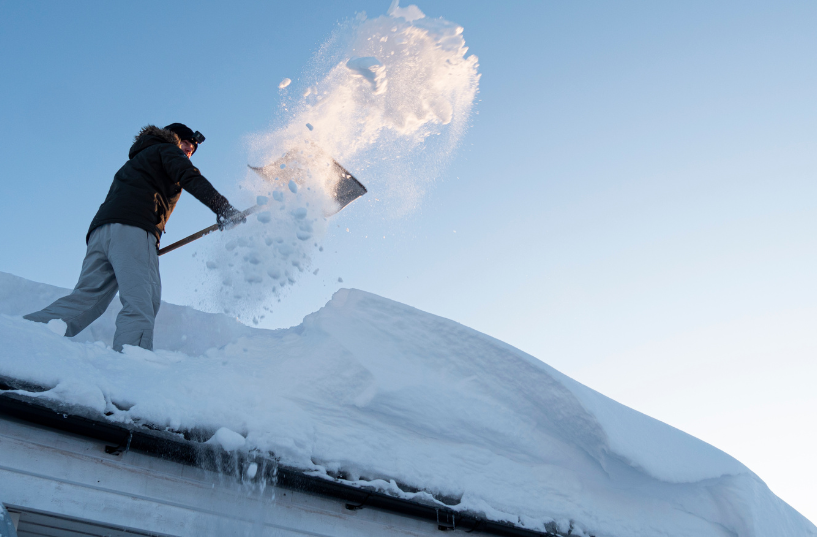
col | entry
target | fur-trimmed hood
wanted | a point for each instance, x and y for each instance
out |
(150, 135)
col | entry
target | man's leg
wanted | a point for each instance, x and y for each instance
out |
(93, 293)
(135, 261)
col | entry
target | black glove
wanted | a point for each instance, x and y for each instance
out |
(229, 217)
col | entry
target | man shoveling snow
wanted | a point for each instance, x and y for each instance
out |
(123, 238)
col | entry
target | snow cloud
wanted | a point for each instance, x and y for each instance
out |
(389, 98)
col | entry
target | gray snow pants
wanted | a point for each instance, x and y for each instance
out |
(119, 257)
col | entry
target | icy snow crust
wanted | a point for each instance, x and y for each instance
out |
(390, 396)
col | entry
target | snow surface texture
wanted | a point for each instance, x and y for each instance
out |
(391, 396)
(389, 98)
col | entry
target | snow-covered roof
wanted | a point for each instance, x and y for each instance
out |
(382, 393)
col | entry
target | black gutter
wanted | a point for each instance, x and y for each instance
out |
(183, 448)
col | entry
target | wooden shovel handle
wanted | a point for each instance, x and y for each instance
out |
(202, 233)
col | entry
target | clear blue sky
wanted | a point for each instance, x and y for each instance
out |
(634, 203)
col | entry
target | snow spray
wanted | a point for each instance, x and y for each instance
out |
(389, 98)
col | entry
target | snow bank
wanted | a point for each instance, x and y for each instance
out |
(391, 397)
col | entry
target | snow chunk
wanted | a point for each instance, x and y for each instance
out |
(261, 200)
(252, 470)
(264, 217)
(284, 83)
(293, 187)
(410, 13)
(58, 326)
(228, 439)
(309, 126)
(78, 392)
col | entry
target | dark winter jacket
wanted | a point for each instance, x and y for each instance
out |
(145, 190)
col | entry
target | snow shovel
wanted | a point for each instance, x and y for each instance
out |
(347, 190)
(344, 187)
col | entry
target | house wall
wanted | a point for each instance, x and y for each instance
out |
(54, 472)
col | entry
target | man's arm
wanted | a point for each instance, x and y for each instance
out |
(182, 171)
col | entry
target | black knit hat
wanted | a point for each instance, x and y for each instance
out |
(186, 133)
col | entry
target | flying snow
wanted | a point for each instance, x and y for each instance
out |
(372, 70)
(389, 99)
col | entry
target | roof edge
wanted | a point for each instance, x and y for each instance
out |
(176, 447)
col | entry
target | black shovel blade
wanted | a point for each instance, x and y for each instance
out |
(344, 191)
(348, 188)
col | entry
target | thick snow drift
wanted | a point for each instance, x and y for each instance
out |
(395, 397)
